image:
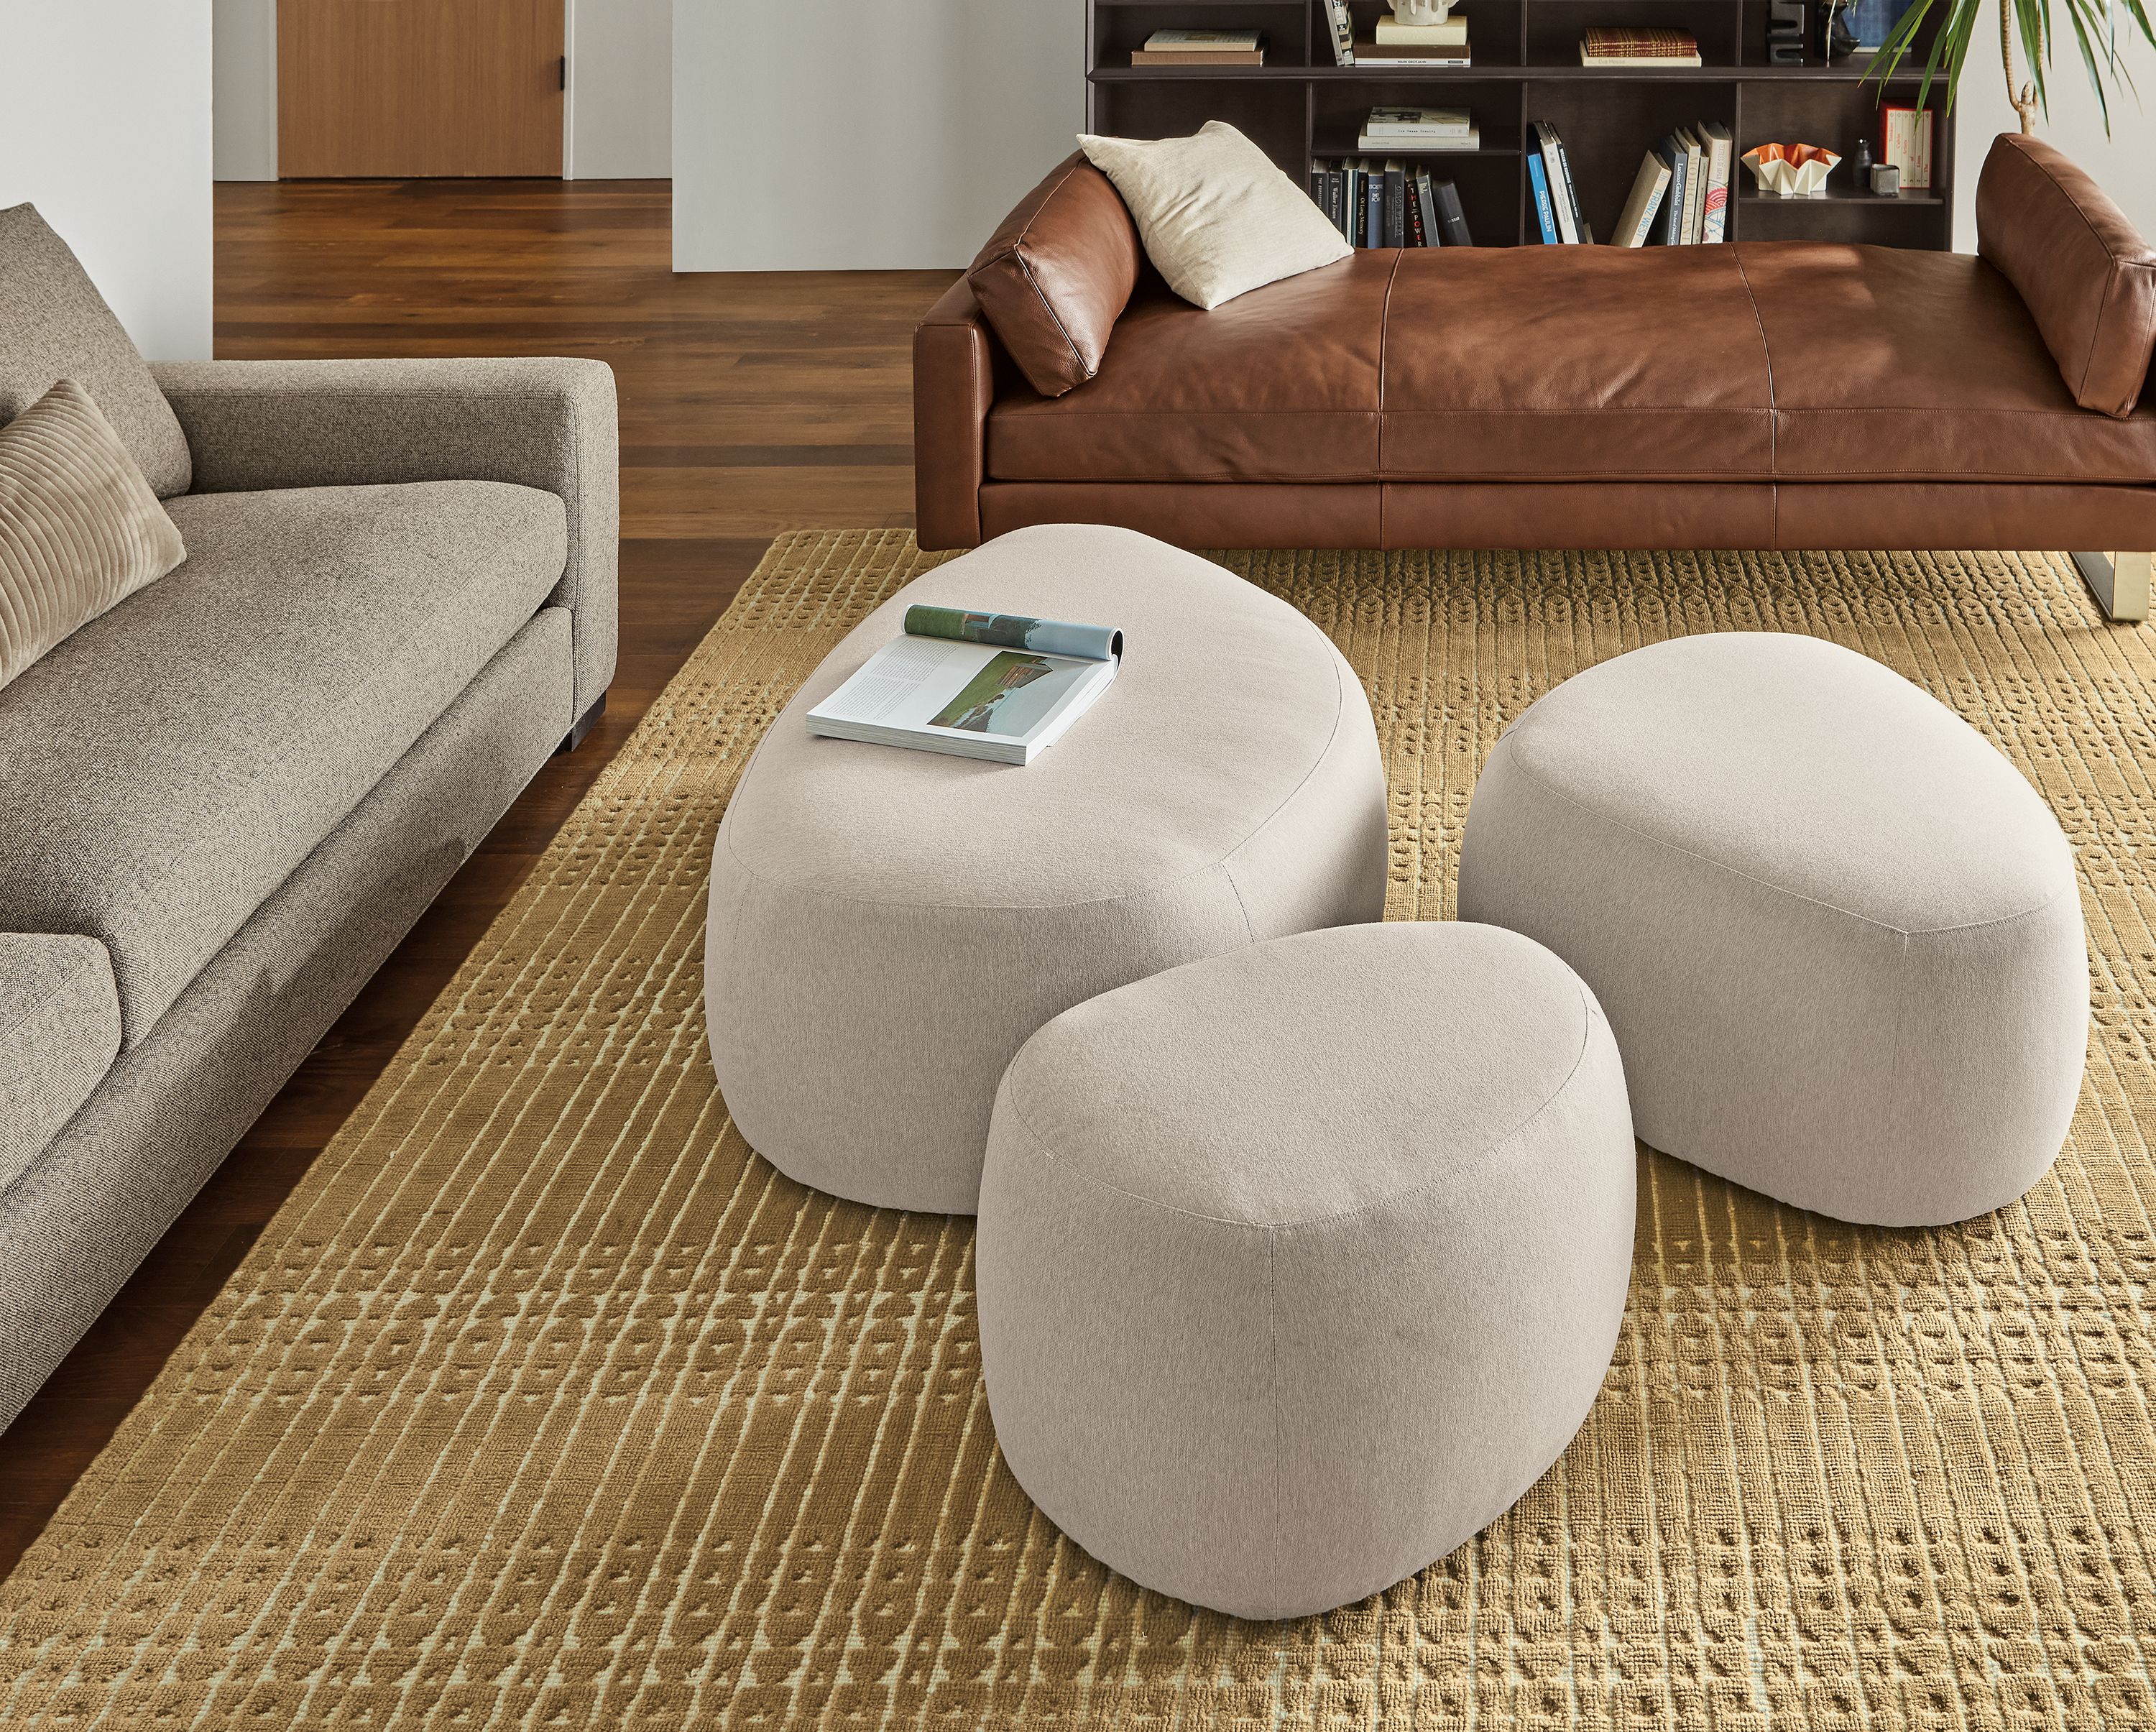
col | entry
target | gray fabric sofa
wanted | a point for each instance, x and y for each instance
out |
(222, 803)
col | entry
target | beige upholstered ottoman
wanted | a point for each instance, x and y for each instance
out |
(1298, 1265)
(887, 926)
(1837, 934)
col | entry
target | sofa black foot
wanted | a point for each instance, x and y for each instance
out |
(585, 723)
(2118, 581)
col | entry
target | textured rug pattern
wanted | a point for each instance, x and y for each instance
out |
(545, 1403)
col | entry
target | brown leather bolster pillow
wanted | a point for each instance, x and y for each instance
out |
(1054, 277)
(2083, 272)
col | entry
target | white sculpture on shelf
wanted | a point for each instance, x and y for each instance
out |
(1422, 12)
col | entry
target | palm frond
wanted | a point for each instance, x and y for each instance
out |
(2094, 24)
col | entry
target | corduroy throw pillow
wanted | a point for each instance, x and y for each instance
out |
(80, 529)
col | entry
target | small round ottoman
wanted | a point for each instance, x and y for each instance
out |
(1298, 1265)
(1838, 935)
(887, 926)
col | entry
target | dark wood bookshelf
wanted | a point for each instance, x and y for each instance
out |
(1300, 106)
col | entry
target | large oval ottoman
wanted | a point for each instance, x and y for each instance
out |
(1298, 1265)
(1837, 934)
(887, 926)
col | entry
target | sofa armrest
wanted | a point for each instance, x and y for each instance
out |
(2081, 268)
(954, 384)
(257, 426)
(59, 1033)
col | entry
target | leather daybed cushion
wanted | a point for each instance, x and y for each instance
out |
(1738, 362)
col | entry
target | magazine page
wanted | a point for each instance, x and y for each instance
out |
(974, 700)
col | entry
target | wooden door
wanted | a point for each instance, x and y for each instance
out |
(419, 87)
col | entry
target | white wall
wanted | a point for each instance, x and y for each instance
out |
(108, 134)
(616, 123)
(621, 91)
(2124, 164)
(864, 134)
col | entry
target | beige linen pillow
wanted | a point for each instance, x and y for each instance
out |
(80, 529)
(1217, 218)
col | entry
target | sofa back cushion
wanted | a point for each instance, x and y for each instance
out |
(2079, 266)
(80, 529)
(1054, 277)
(54, 326)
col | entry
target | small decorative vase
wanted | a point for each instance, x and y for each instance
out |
(1421, 12)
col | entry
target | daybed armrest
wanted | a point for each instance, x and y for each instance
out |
(59, 1032)
(2081, 268)
(953, 387)
(539, 422)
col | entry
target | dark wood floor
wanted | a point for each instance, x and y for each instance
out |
(749, 403)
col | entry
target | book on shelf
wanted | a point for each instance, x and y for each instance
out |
(1405, 123)
(1002, 686)
(1396, 202)
(1451, 218)
(1538, 185)
(1340, 28)
(1637, 220)
(1695, 183)
(1373, 204)
(1720, 148)
(1204, 42)
(1373, 53)
(1471, 140)
(1905, 142)
(1603, 46)
(1422, 231)
(1451, 32)
(1669, 231)
(1546, 148)
(1201, 47)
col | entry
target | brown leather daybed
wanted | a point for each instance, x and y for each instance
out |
(1757, 394)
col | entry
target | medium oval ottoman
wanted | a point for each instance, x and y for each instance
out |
(887, 926)
(1298, 1265)
(1838, 935)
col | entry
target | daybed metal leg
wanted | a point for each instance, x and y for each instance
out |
(2119, 581)
(589, 719)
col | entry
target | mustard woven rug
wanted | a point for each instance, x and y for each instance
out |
(545, 1403)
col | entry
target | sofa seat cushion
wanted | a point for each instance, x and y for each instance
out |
(59, 1032)
(1575, 363)
(1892, 365)
(1280, 384)
(165, 769)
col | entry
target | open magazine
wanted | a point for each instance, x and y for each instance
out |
(1002, 686)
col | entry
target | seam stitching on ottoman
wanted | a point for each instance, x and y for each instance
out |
(1557, 1094)
(1708, 859)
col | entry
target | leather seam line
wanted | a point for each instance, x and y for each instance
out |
(1767, 355)
(1384, 334)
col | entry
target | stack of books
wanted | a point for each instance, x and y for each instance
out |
(1695, 208)
(1604, 47)
(1395, 44)
(1679, 197)
(1201, 47)
(1418, 129)
(1390, 204)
